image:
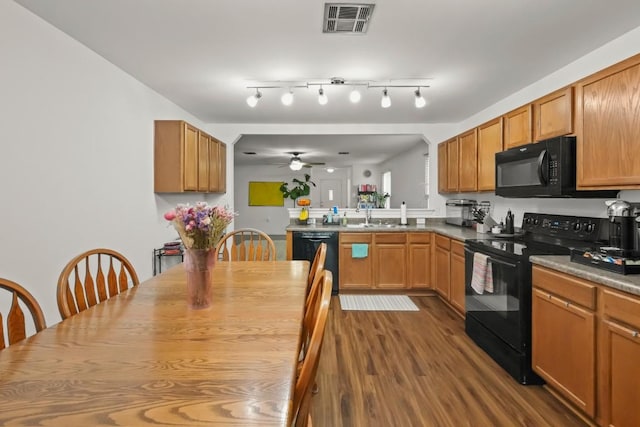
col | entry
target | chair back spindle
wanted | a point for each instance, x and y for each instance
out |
(15, 319)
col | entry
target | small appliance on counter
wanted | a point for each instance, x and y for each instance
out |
(460, 212)
(622, 254)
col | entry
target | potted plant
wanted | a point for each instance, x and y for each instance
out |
(298, 188)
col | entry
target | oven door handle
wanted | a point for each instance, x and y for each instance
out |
(493, 260)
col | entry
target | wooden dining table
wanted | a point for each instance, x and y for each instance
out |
(143, 358)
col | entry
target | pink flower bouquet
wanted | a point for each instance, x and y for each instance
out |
(200, 226)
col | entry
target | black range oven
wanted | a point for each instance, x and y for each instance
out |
(498, 314)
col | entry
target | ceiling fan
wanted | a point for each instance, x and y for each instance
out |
(296, 163)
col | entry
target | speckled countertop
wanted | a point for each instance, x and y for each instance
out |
(627, 283)
(455, 232)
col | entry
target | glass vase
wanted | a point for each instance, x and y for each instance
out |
(198, 264)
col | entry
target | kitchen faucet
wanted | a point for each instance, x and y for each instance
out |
(367, 214)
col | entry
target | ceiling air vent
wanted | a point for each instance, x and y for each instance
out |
(346, 18)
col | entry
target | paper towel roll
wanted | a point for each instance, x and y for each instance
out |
(403, 213)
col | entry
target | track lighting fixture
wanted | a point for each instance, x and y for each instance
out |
(322, 98)
(287, 98)
(385, 102)
(420, 101)
(253, 99)
(354, 95)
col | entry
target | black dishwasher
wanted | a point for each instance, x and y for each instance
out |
(305, 245)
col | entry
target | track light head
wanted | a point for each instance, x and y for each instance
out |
(322, 98)
(420, 101)
(385, 102)
(287, 98)
(354, 96)
(252, 100)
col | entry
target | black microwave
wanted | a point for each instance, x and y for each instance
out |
(543, 169)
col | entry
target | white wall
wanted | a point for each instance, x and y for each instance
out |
(407, 177)
(76, 157)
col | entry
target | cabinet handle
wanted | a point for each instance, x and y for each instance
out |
(549, 296)
(566, 304)
(634, 334)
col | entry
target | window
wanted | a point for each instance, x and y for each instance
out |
(426, 180)
(386, 188)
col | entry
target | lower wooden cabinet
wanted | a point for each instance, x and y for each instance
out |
(355, 273)
(456, 275)
(564, 336)
(390, 260)
(419, 268)
(395, 260)
(620, 357)
(586, 345)
(442, 265)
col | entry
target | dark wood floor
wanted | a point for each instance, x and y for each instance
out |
(419, 369)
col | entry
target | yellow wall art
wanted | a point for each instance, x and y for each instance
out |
(265, 193)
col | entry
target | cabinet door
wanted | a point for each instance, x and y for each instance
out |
(419, 272)
(563, 348)
(621, 358)
(191, 160)
(214, 165)
(489, 143)
(457, 276)
(452, 165)
(553, 114)
(607, 128)
(222, 163)
(442, 167)
(203, 161)
(517, 127)
(468, 161)
(355, 273)
(442, 266)
(390, 254)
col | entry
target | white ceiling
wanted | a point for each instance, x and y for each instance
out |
(201, 54)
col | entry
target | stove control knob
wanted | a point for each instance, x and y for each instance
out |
(577, 226)
(528, 220)
(536, 221)
(590, 227)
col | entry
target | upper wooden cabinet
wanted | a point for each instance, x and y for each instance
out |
(442, 167)
(517, 127)
(468, 161)
(489, 143)
(608, 127)
(452, 165)
(217, 166)
(553, 114)
(185, 158)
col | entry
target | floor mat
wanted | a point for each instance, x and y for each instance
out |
(377, 303)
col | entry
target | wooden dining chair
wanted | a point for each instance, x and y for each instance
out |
(246, 244)
(313, 333)
(83, 282)
(15, 321)
(317, 266)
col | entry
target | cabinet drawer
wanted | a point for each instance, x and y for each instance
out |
(391, 238)
(571, 288)
(355, 237)
(457, 247)
(419, 237)
(443, 242)
(622, 307)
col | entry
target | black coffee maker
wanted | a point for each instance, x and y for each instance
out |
(623, 228)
